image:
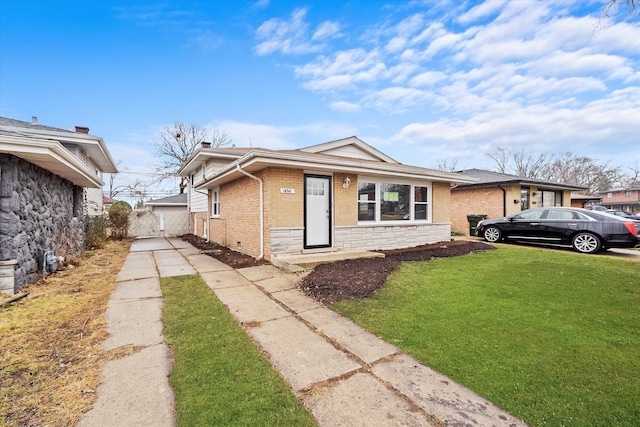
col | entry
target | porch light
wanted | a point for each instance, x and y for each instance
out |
(346, 182)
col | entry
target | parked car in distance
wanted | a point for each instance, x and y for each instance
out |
(587, 231)
(625, 214)
(597, 208)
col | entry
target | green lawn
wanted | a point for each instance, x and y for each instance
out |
(220, 378)
(551, 336)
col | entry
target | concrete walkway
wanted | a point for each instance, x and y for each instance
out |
(343, 374)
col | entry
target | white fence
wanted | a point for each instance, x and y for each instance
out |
(167, 224)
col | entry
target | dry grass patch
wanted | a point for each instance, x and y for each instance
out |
(50, 342)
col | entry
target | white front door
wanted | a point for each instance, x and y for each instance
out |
(317, 211)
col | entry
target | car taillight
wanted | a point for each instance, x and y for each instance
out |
(631, 227)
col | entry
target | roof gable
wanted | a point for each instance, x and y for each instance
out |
(351, 147)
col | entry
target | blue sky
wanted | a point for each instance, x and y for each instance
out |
(422, 81)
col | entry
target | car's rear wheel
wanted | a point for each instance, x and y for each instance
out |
(492, 234)
(586, 243)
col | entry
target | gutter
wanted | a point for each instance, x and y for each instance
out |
(504, 200)
(242, 171)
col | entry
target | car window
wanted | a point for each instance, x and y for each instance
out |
(558, 214)
(530, 214)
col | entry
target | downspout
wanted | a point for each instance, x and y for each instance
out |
(239, 169)
(504, 200)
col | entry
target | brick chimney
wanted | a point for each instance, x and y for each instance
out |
(82, 129)
(206, 144)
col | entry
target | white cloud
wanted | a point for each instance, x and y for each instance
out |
(292, 36)
(344, 106)
(327, 29)
(480, 11)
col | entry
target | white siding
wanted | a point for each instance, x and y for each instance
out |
(198, 201)
(93, 201)
(351, 152)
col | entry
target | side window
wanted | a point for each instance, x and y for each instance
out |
(527, 215)
(420, 202)
(215, 203)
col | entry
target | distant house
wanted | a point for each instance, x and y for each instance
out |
(623, 199)
(497, 195)
(162, 217)
(340, 195)
(579, 200)
(50, 179)
(176, 203)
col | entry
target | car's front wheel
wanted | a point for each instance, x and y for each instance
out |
(492, 234)
(586, 243)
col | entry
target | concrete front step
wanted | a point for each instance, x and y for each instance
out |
(307, 261)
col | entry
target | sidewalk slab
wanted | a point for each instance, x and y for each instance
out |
(136, 289)
(178, 243)
(296, 301)
(361, 400)
(302, 357)
(260, 272)
(439, 396)
(134, 322)
(204, 263)
(248, 304)
(281, 282)
(171, 264)
(189, 251)
(224, 279)
(354, 338)
(150, 244)
(135, 392)
(137, 265)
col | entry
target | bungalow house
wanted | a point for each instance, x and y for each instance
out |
(497, 195)
(50, 178)
(622, 199)
(340, 195)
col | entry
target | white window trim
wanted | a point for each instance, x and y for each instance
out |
(411, 221)
(214, 192)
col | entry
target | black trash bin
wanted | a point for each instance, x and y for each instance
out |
(474, 219)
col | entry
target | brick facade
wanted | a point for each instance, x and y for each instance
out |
(239, 223)
(493, 202)
(627, 200)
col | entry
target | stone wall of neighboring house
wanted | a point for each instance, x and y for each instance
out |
(39, 212)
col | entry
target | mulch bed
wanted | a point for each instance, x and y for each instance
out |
(361, 278)
(349, 279)
(230, 257)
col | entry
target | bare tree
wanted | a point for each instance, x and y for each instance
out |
(519, 162)
(447, 165)
(614, 6)
(178, 143)
(566, 168)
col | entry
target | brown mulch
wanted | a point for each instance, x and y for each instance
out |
(230, 257)
(361, 278)
(350, 279)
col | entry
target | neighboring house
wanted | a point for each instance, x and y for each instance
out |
(177, 203)
(50, 178)
(497, 195)
(340, 195)
(622, 199)
(106, 203)
(579, 200)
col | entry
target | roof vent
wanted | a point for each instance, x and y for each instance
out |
(34, 120)
(82, 129)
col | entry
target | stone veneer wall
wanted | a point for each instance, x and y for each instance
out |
(39, 211)
(365, 237)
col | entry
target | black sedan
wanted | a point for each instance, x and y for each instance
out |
(585, 230)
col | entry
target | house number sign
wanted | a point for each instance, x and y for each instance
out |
(288, 191)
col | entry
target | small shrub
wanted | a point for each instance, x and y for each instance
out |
(119, 220)
(96, 232)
